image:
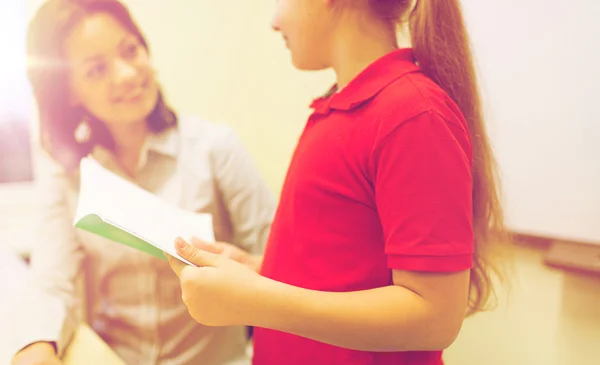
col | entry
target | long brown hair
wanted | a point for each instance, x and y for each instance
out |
(48, 74)
(442, 48)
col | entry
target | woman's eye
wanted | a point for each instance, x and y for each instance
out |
(97, 71)
(131, 50)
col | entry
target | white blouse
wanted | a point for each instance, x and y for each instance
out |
(132, 299)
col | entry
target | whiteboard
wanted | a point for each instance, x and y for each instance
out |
(539, 62)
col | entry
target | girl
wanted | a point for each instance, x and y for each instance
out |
(98, 94)
(381, 242)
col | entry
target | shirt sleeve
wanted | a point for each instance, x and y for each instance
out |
(423, 192)
(250, 203)
(52, 302)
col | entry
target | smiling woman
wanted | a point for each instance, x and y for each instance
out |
(90, 69)
(15, 97)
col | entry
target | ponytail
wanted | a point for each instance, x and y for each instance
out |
(441, 47)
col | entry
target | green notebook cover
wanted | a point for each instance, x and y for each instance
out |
(94, 224)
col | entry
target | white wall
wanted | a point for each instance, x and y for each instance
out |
(16, 200)
(222, 61)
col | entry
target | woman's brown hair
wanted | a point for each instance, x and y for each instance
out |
(442, 48)
(48, 73)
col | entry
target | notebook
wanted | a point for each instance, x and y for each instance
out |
(114, 208)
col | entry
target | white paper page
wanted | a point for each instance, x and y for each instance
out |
(138, 212)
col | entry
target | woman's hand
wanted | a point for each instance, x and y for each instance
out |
(230, 251)
(220, 291)
(39, 353)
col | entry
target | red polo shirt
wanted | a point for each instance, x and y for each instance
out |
(380, 181)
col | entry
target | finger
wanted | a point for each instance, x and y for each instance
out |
(227, 251)
(176, 265)
(195, 255)
(210, 247)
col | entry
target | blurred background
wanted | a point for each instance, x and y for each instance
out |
(538, 68)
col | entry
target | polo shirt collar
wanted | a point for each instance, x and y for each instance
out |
(368, 83)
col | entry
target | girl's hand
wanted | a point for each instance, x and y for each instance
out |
(230, 251)
(220, 291)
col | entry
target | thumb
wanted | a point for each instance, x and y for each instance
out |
(195, 255)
